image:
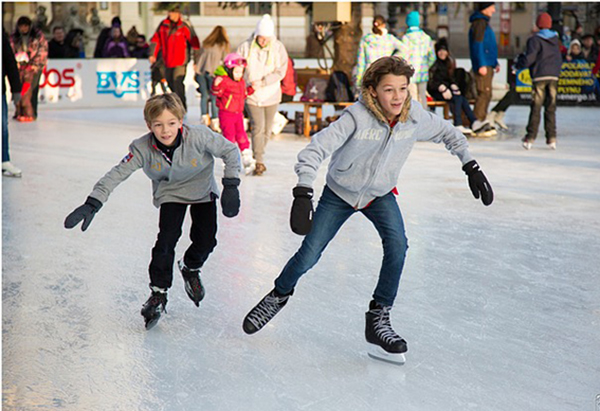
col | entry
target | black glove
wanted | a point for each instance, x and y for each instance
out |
(230, 198)
(85, 212)
(302, 210)
(478, 183)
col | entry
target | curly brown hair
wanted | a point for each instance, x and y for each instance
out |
(383, 66)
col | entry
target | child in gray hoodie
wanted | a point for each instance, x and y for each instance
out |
(368, 145)
(179, 159)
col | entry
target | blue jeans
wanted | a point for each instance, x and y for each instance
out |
(458, 104)
(332, 212)
(205, 81)
(5, 155)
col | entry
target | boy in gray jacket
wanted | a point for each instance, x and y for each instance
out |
(179, 159)
(368, 145)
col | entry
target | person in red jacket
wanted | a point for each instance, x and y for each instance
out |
(289, 83)
(172, 38)
(230, 90)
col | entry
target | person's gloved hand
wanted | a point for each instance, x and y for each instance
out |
(230, 198)
(84, 212)
(302, 210)
(478, 182)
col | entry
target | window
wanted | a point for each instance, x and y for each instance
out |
(191, 9)
(259, 8)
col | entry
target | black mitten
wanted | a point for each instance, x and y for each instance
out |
(84, 212)
(230, 198)
(478, 183)
(302, 210)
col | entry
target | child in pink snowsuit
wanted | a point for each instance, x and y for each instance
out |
(230, 90)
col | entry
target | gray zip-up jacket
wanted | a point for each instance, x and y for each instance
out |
(189, 179)
(366, 155)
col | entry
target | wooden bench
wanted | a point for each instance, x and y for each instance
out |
(304, 75)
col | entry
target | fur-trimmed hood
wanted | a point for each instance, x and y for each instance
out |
(375, 108)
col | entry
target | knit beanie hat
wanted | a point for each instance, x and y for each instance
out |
(265, 27)
(544, 21)
(442, 44)
(484, 5)
(413, 19)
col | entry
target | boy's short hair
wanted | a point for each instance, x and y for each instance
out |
(161, 102)
(386, 65)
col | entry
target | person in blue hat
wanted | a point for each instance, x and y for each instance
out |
(420, 54)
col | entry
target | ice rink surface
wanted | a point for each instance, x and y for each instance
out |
(500, 305)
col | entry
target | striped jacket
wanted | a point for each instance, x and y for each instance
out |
(420, 53)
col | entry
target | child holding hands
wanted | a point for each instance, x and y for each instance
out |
(230, 89)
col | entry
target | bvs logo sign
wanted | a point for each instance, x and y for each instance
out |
(118, 83)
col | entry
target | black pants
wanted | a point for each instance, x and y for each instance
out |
(508, 100)
(175, 77)
(203, 235)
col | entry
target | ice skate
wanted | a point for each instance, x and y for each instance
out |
(9, 170)
(466, 131)
(527, 145)
(248, 161)
(193, 284)
(264, 311)
(384, 343)
(499, 121)
(552, 145)
(154, 307)
(480, 126)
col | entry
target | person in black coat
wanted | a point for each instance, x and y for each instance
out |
(442, 86)
(10, 71)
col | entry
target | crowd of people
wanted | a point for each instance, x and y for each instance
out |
(269, 75)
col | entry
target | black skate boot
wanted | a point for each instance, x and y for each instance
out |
(193, 284)
(154, 306)
(384, 343)
(264, 311)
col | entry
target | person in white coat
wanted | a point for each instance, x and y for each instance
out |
(267, 64)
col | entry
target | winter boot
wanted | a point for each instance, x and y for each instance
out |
(248, 161)
(205, 120)
(259, 169)
(214, 124)
(154, 306)
(383, 341)
(193, 284)
(264, 311)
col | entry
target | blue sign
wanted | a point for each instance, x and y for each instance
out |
(118, 83)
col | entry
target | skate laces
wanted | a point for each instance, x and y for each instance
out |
(383, 325)
(157, 299)
(267, 309)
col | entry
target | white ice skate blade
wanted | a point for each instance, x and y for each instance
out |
(378, 353)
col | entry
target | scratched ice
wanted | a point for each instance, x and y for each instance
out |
(499, 305)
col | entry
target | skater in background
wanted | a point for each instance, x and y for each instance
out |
(31, 53)
(484, 59)
(368, 146)
(10, 71)
(442, 86)
(542, 58)
(214, 49)
(267, 64)
(379, 43)
(420, 54)
(174, 38)
(230, 91)
(179, 159)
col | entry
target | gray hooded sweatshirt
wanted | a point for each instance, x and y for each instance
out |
(366, 155)
(188, 179)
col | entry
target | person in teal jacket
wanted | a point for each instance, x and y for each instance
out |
(368, 146)
(484, 58)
